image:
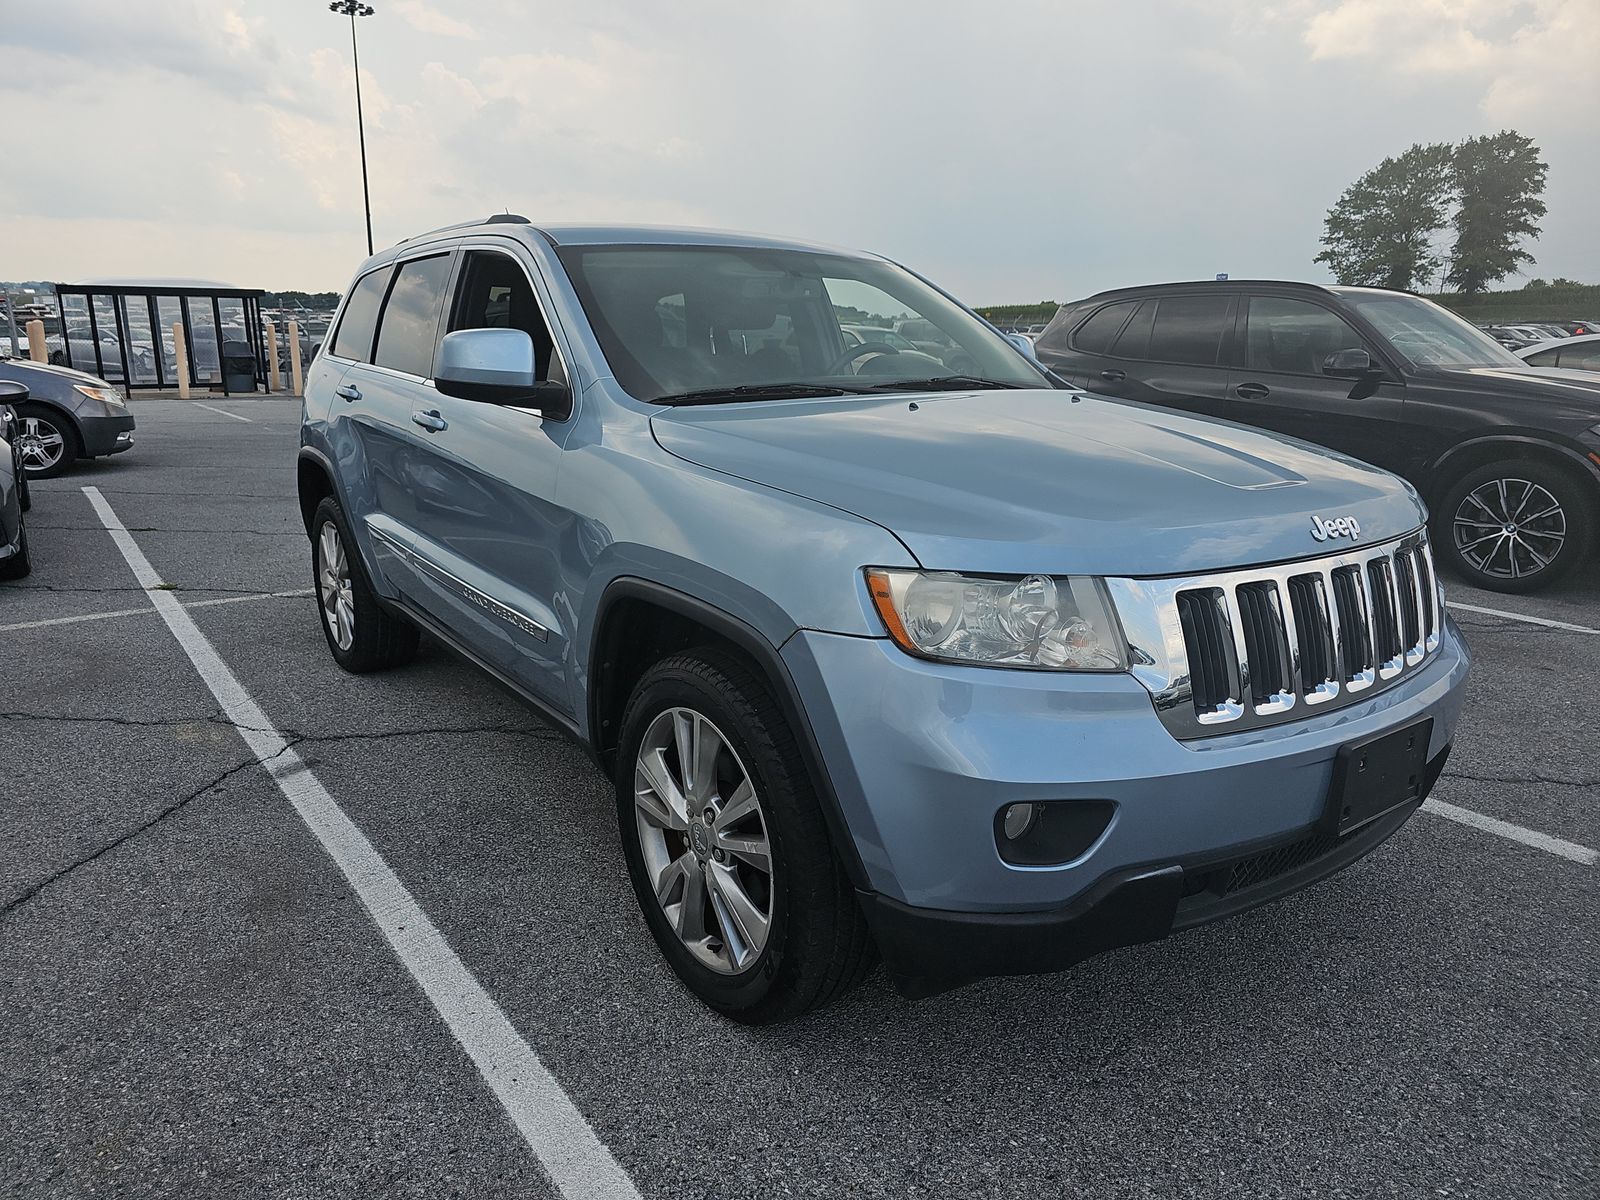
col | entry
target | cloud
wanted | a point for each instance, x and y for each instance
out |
(426, 19)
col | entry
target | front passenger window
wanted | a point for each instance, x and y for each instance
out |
(494, 293)
(1293, 337)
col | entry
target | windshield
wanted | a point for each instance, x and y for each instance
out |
(693, 322)
(1427, 335)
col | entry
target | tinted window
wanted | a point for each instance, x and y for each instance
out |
(1581, 358)
(1545, 358)
(354, 339)
(1094, 335)
(1293, 336)
(1134, 341)
(1189, 329)
(411, 317)
(494, 293)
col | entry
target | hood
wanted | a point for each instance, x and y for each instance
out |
(20, 369)
(1562, 391)
(1061, 482)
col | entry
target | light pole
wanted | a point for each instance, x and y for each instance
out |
(353, 9)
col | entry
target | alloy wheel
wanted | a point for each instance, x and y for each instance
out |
(42, 444)
(334, 587)
(1509, 528)
(704, 841)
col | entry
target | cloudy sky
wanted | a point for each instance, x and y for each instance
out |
(1046, 152)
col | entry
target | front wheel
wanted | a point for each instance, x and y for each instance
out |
(1515, 526)
(48, 441)
(727, 847)
(362, 634)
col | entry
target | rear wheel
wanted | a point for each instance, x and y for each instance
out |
(726, 844)
(1515, 526)
(362, 634)
(49, 442)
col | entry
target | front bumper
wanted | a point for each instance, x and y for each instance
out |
(106, 435)
(922, 756)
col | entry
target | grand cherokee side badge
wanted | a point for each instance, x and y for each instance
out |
(1338, 527)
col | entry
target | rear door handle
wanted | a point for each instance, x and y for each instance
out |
(348, 392)
(431, 421)
(1113, 374)
(1252, 391)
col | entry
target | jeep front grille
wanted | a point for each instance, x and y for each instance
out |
(1241, 649)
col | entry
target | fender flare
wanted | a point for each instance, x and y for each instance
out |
(768, 662)
(1442, 468)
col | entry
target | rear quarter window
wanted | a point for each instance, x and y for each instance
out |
(1096, 334)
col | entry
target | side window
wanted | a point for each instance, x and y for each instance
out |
(1095, 335)
(410, 326)
(360, 319)
(1189, 329)
(1581, 358)
(494, 293)
(1545, 358)
(1134, 340)
(1293, 337)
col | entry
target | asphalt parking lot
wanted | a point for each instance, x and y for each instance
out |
(194, 1001)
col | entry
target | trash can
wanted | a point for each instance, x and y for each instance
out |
(238, 367)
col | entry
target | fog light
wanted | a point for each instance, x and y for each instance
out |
(1018, 819)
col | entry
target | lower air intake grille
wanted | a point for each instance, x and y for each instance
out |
(1259, 868)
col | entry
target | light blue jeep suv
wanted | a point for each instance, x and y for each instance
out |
(890, 654)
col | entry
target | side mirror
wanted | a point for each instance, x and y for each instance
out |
(496, 366)
(12, 393)
(1349, 364)
(1022, 343)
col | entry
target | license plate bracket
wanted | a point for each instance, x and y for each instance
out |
(1375, 776)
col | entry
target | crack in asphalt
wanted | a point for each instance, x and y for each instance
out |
(293, 736)
(292, 532)
(164, 814)
(137, 591)
(1534, 777)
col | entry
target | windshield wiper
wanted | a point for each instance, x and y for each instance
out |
(942, 383)
(757, 391)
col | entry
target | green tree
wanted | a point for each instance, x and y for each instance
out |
(1497, 179)
(1381, 232)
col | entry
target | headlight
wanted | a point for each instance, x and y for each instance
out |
(106, 395)
(1038, 622)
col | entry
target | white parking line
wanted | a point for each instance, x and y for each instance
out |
(145, 612)
(220, 413)
(1528, 837)
(577, 1162)
(1511, 616)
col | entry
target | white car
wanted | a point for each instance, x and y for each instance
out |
(1581, 353)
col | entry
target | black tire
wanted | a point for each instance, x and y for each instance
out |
(71, 447)
(20, 564)
(381, 638)
(818, 946)
(1463, 526)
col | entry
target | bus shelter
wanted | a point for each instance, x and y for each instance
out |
(121, 330)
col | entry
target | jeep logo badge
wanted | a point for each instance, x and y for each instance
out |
(1337, 527)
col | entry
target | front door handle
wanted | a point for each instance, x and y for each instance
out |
(1252, 391)
(348, 392)
(1113, 374)
(430, 421)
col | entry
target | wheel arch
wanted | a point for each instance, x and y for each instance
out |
(638, 623)
(1480, 452)
(314, 481)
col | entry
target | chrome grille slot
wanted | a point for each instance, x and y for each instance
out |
(1355, 629)
(1385, 621)
(1266, 643)
(1234, 650)
(1405, 578)
(1313, 624)
(1209, 644)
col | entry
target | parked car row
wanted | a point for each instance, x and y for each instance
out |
(1517, 336)
(907, 650)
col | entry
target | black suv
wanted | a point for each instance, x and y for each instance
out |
(1507, 456)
